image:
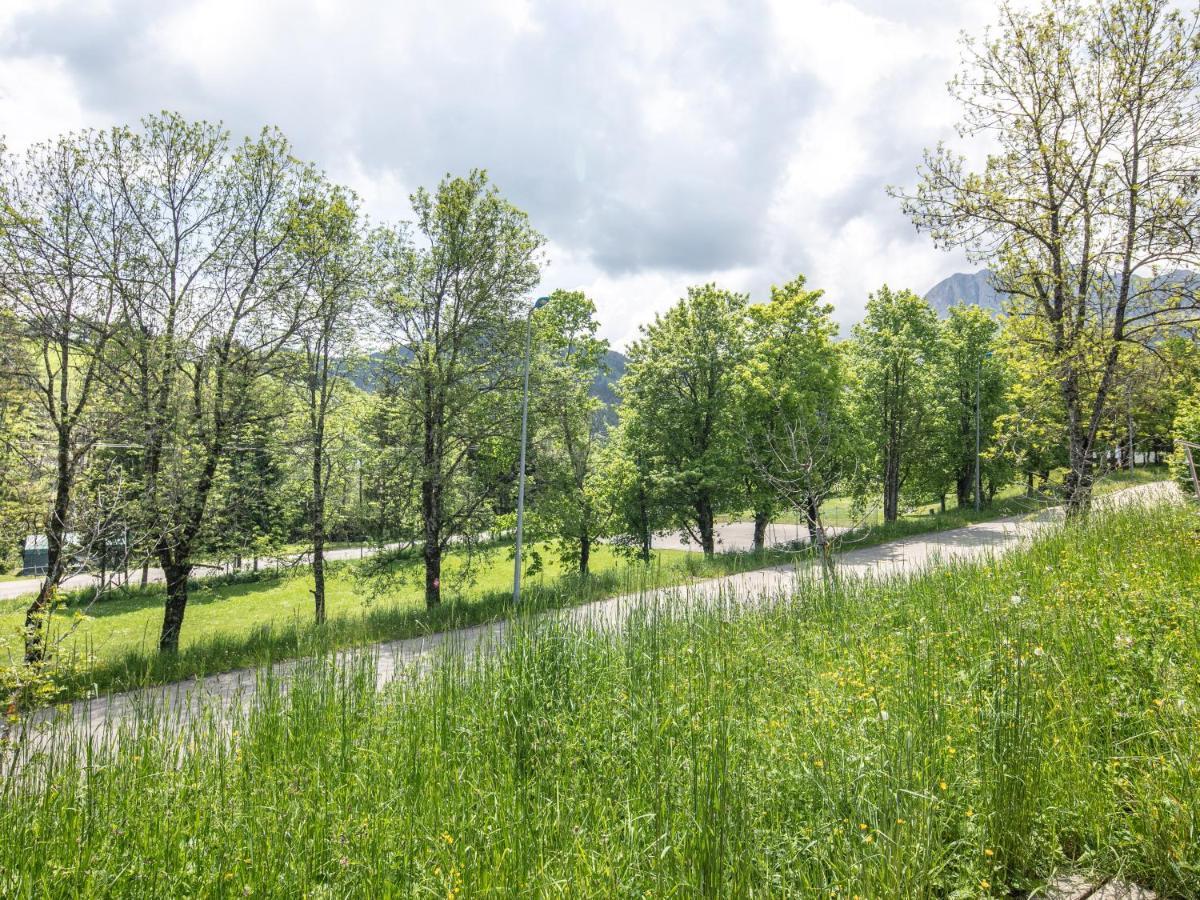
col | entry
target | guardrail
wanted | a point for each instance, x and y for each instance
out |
(1189, 452)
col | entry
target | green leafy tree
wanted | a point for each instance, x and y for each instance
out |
(22, 490)
(1093, 112)
(792, 407)
(338, 274)
(200, 248)
(251, 512)
(893, 356)
(628, 493)
(569, 423)
(1152, 391)
(968, 388)
(1031, 429)
(65, 313)
(454, 313)
(679, 389)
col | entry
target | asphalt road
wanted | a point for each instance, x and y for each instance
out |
(731, 536)
(29, 586)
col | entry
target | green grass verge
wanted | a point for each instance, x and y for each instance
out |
(255, 619)
(964, 734)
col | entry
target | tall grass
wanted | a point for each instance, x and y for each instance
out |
(966, 733)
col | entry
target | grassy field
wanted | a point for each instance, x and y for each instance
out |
(965, 734)
(111, 645)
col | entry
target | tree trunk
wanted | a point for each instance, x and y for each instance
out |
(812, 519)
(431, 495)
(431, 512)
(761, 520)
(891, 487)
(644, 523)
(318, 568)
(585, 551)
(704, 523)
(318, 532)
(964, 487)
(177, 597)
(1078, 484)
(56, 535)
(433, 572)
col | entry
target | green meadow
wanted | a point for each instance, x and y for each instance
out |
(966, 733)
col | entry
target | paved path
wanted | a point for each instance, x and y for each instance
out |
(739, 536)
(25, 586)
(730, 536)
(182, 700)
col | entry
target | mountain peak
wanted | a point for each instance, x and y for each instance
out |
(964, 289)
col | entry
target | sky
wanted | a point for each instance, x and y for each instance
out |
(655, 144)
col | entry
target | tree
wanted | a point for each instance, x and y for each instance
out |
(1090, 203)
(251, 512)
(65, 312)
(1166, 375)
(338, 278)
(569, 421)
(209, 283)
(791, 405)
(679, 388)
(454, 314)
(969, 389)
(626, 489)
(894, 350)
(1030, 429)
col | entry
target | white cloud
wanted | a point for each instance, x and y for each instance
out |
(657, 144)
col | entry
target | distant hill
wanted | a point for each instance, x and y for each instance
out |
(367, 373)
(604, 387)
(962, 289)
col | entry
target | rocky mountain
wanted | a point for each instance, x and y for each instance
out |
(963, 289)
(604, 387)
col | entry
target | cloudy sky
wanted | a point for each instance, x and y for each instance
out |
(656, 144)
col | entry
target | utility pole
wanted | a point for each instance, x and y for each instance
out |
(978, 473)
(1129, 421)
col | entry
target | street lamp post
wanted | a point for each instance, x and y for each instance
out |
(978, 474)
(538, 304)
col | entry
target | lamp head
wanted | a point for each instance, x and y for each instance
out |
(540, 302)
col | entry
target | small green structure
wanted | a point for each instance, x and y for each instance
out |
(35, 555)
